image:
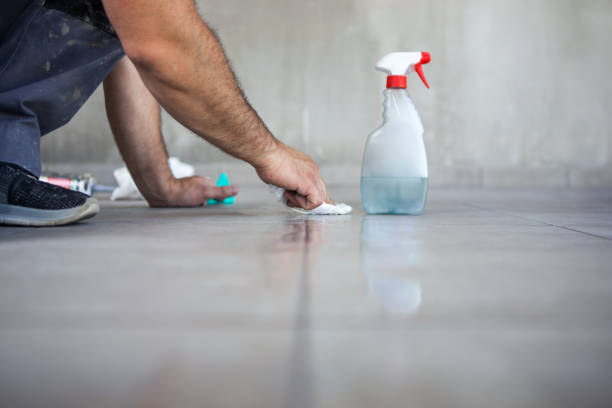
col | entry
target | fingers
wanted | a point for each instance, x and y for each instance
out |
(311, 194)
(290, 198)
(325, 193)
(328, 200)
(194, 192)
(321, 193)
(309, 204)
(304, 203)
(327, 197)
(220, 193)
(297, 200)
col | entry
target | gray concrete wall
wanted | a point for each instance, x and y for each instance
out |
(520, 92)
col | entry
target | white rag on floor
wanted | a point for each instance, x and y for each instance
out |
(127, 189)
(323, 209)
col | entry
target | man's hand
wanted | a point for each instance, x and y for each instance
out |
(192, 192)
(297, 174)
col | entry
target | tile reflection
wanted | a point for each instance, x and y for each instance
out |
(289, 246)
(388, 254)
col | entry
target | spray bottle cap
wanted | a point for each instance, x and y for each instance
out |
(398, 65)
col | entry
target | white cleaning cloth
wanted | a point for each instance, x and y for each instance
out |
(323, 209)
(127, 189)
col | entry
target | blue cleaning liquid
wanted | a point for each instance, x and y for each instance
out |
(394, 195)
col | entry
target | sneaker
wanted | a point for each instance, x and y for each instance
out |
(26, 201)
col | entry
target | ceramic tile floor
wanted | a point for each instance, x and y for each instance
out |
(490, 299)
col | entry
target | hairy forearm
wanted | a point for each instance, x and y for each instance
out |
(185, 68)
(134, 117)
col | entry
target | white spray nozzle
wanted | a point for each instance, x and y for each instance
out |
(399, 64)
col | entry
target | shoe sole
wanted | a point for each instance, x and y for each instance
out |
(32, 217)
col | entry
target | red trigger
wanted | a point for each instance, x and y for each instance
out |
(419, 70)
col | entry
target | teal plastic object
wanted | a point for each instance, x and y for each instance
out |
(223, 181)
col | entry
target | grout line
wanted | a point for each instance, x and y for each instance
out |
(544, 223)
(506, 213)
(300, 388)
(548, 224)
(582, 232)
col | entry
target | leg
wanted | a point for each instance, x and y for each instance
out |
(50, 63)
(53, 55)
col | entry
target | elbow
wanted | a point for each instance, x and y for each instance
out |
(140, 54)
(146, 55)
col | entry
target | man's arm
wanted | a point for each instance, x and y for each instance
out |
(134, 116)
(183, 65)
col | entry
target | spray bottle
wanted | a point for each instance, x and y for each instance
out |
(394, 168)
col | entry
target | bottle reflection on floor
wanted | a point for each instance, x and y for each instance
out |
(387, 257)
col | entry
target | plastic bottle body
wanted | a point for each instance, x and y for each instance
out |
(394, 175)
(394, 195)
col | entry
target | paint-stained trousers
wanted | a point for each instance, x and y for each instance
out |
(53, 55)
